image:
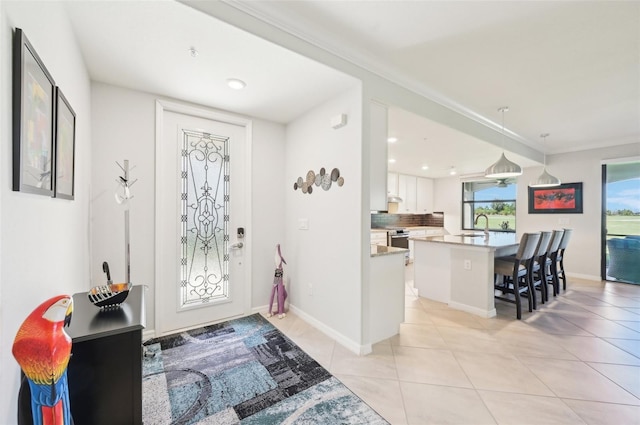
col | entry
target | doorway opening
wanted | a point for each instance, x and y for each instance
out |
(621, 222)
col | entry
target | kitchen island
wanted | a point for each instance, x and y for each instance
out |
(458, 269)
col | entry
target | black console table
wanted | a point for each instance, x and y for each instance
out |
(105, 370)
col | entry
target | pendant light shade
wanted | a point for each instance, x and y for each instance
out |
(545, 179)
(503, 168)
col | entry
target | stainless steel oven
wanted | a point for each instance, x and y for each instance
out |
(399, 238)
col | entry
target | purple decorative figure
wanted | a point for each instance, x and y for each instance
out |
(278, 285)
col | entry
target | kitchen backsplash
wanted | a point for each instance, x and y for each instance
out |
(382, 220)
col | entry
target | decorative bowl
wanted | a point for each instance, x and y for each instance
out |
(110, 295)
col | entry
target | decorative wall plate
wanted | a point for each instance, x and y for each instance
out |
(311, 177)
(321, 178)
(326, 181)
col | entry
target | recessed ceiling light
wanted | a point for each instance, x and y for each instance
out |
(392, 139)
(391, 160)
(425, 167)
(236, 84)
(193, 52)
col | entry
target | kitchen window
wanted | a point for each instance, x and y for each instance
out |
(495, 199)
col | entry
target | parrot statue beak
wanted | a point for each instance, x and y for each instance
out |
(67, 316)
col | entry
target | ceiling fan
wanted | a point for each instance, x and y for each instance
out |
(504, 182)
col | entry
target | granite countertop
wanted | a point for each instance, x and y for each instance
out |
(495, 240)
(378, 250)
(379, 230)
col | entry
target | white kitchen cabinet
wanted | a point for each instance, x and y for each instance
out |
(407, 191)
(424, 195)
(379, 238)
(378, 157)
(414, 234)
(416, 193)
(392, 184)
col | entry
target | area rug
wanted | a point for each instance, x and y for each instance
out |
(243, 371)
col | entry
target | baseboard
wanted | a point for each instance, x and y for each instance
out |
(147, 334)
(356, 348)
(359, 349)
(585, 276)
(473, 310)
(260, 309)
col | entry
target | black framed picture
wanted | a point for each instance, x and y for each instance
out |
(33, 120)
(65, 147)
(563, 199)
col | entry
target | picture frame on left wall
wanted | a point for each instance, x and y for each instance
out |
(65, 147)
(33, 120)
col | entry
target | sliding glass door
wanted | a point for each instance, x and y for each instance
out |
(621, 222)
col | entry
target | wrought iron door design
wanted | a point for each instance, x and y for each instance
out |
(204, 205)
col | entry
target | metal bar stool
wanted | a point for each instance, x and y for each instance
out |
(517, 273)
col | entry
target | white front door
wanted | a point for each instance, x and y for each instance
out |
(200, 213)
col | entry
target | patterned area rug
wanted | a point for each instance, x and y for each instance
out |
(243, 371)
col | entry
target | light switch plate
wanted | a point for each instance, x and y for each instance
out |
(303, 224)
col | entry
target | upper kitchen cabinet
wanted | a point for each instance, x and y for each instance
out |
(392, 184)
(407, 191)
(416, 193)
(378, 157)
(424, 195)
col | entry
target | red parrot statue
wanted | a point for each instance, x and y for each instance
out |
(42, 349)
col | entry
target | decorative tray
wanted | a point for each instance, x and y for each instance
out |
(110, 295)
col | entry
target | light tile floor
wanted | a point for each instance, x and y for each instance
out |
(576, 360)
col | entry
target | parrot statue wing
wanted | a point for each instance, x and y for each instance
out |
(42, 349)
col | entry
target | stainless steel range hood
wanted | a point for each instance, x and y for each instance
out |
(394, 198)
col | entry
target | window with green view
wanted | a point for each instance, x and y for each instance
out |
(495, 199)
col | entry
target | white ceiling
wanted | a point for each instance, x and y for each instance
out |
(423, 142)
(568, 68)
(144, 45)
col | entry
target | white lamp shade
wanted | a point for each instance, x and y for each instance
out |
(503, 169)
(545, 180)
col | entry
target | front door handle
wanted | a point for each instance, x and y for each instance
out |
(237, 245)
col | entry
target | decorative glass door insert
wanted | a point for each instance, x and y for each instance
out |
(204, 206)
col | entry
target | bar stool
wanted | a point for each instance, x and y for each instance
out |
(558, 263)
(517, 272)
(551, 275)
(539, 268)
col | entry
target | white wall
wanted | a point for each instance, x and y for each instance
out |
(584, 253)
(124, 128)
(447, 194)
(44, 248)
(328, 254)
(268, 201)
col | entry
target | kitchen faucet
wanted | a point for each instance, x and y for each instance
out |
(486, 224)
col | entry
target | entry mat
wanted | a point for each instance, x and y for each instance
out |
(243, 371)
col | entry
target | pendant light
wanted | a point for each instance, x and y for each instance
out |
(503, 168)
(545, 179)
